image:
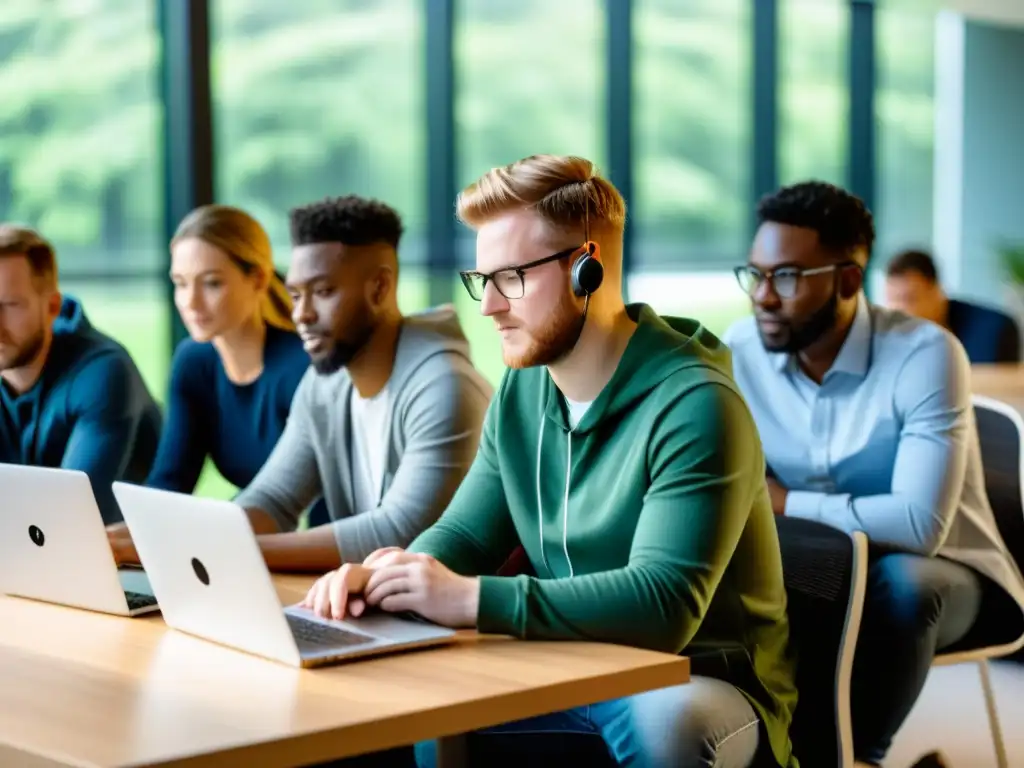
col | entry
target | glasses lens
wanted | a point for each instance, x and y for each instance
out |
(747, 278)
(510, 283)
(784, 282)
(474, 283)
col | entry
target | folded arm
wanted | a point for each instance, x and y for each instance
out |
(934, 399)
(706, 468)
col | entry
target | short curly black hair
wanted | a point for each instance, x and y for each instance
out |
(842, 221)
(351, 220)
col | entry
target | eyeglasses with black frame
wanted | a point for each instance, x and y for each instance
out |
(510, 281)
(785, 281)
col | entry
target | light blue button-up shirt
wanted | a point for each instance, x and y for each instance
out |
(886, 444)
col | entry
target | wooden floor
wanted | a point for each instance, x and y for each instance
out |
(951, 715)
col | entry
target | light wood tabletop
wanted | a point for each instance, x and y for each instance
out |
(1000, 382)
(86, 689)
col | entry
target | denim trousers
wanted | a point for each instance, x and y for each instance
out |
(914, 607)
(704, 723)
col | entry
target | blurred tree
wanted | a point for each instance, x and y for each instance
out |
(692, 132)
(320, 97)
(317, 98)
(78, 155)
(813, 98)
(529, 80)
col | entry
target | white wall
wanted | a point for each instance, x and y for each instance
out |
(979, 153)
(1000, 11)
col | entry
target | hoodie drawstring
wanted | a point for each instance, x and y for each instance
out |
(540, 506)
(565, 508)
(565, 505)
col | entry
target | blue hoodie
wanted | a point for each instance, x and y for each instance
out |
(90, 411)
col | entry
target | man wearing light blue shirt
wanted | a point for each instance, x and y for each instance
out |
(866, 420)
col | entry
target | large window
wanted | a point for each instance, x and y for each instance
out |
(530, 79)
(321, 98)
(80, 158)
(693, 130)
(317, 99)
(905, 119)
(692, 144)
(325, 97)
(813, 93)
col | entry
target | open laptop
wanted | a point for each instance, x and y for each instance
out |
(209, 575)
(54, 546)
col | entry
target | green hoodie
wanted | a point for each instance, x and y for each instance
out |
(647, 525)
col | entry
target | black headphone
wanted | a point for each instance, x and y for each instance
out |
(587, 272)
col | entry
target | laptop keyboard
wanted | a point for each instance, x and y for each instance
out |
(137, 600)
(314, 633)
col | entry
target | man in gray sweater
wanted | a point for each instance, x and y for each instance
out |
(385, 423)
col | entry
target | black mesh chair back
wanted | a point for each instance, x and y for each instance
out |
(825, 573)
(1000, 436)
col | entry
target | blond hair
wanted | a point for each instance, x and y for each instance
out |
(21, 241)
(246, 243)
(565, 190)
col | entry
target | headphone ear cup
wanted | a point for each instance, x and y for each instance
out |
(587, 275)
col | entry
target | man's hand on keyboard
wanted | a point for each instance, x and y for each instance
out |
(402, 581)
(397, 581)
(339, 593)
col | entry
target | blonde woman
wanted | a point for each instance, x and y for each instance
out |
(232, 382)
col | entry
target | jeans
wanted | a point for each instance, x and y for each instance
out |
(704, 723)
(914, 607)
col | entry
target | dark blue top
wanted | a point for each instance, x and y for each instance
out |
(235, 425)
(987, 335)
(90, 411)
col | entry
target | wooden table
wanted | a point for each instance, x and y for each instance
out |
(1000, 382)
(85, 689)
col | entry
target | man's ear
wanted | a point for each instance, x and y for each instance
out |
(385, 284)
(851, 280)
(375, 288)
(53, 304)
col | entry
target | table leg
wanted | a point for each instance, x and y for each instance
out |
(451, 752)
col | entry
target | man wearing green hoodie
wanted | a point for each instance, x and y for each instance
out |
(620, 455)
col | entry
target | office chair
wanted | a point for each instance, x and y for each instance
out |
(825, 575)
(1001, 434)
(825, 572)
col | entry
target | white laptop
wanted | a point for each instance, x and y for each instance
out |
(208, 573)
(54, 546)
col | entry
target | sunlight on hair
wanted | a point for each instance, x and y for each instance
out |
(16, 240)
(245, 242)
(564, 190)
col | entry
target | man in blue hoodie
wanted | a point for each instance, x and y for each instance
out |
(70, 396)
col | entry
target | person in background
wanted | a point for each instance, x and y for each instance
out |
(866, 420)
(386, 421)
(232, 382)
(679, 554)
(70, 396)
(912, 286)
